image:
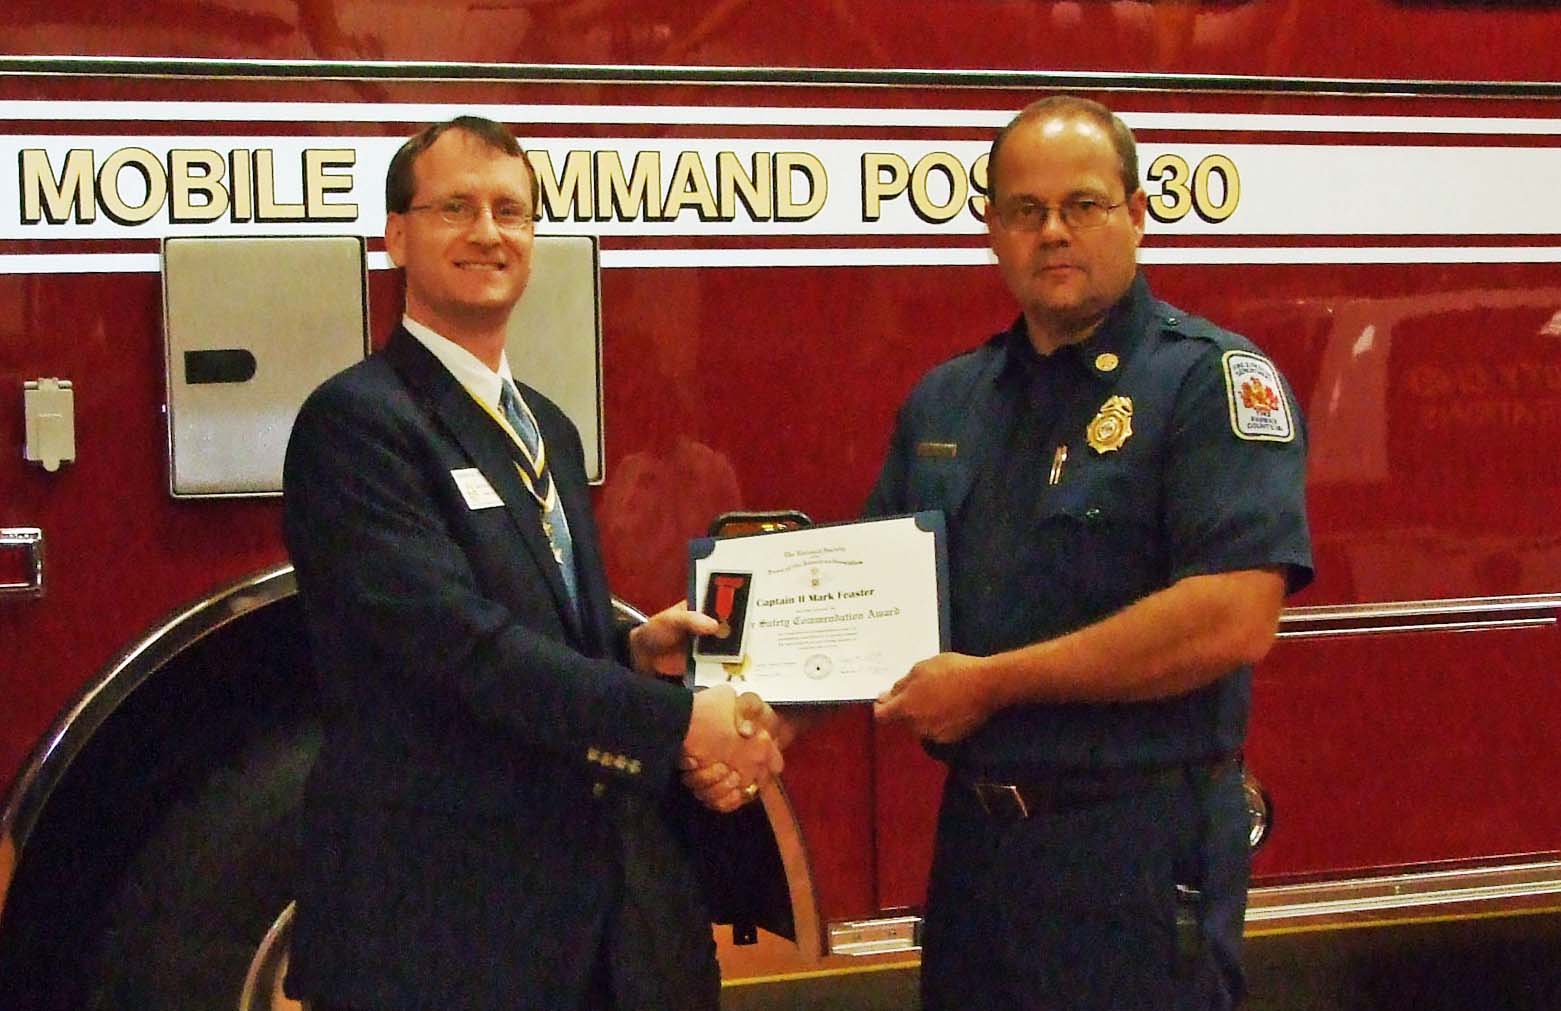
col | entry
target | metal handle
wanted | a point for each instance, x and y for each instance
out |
(30, 540)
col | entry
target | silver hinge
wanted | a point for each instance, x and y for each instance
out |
(49, 406)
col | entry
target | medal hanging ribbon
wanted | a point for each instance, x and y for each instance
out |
(531, 461)
(726, 588)
(531, 466)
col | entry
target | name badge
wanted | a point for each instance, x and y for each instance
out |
(475, 489)
(937, 450)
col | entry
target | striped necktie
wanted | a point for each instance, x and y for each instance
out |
(534, 473)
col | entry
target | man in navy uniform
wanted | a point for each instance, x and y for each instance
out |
(493, 820)
(1123, 484)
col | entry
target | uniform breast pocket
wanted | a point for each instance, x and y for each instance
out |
(1104, 543)
(934, 482)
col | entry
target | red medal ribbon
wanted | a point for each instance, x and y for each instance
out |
(725, 593)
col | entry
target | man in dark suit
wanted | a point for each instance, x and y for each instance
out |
(493, 818)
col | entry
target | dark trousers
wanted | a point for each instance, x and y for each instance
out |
(649, 948)
(599, 998)
(1076, 909)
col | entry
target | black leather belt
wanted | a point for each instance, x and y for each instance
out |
(1070, 789)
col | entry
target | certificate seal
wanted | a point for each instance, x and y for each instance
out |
(818, 666)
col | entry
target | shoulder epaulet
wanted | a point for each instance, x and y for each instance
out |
(954, 376)
(985, 347)
(1177, 325)
(1181, 326)
(990, 344)
(1258, 403)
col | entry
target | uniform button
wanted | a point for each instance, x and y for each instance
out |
(1092, 514)
(592, 755)
(1173, 321)
(597, 789)
(634, 766)
(619, 762)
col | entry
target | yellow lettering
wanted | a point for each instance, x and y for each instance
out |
(980, 181)
(786, 164)
(155, 180)
(626, 198)
(755, 189)
(185, 182)
(928, 208)
(241, 187)
(1212, 189)
(568, 195)
(45, 198)
(270, 208)
(690, 187)
(1203, 200)
(320, 181)
(1175, 197)
(876, 186)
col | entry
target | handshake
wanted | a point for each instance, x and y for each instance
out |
(733, 745)
(732, 748)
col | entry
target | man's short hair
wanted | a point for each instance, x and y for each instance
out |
(1071, 106)
(400, 182)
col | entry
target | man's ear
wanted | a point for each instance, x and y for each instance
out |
(993, 224)
(1137, 205)
(396, 238)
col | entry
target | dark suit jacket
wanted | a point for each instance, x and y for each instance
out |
(488, 810)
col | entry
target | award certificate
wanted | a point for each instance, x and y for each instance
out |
(834, 613)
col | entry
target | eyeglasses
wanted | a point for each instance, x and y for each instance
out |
(1078, 213)
(511, 217)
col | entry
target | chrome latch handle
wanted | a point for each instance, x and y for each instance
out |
(29, 541)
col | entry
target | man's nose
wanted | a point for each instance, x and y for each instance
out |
(483, 228)
(1053, 229)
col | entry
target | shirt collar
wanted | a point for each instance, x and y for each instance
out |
(1101, 355)
(467, 368)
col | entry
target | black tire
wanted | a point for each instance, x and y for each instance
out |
(208, 881)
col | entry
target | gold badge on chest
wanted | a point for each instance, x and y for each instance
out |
(1112, 425)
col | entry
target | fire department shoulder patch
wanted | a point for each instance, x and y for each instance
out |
(1259, 410)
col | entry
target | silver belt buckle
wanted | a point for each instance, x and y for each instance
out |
(988, 794)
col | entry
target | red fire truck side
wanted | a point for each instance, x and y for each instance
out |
(774, 212)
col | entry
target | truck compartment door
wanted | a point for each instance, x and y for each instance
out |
(251, 326)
